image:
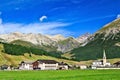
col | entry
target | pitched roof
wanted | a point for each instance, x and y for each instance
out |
(27, 62)
(48, 61)
(117, 62)
(62, 63)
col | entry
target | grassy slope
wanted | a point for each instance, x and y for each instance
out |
(61, 75)
(15, 60)
(29, 44)
(94, 49)
(89, 62)
(23, 43)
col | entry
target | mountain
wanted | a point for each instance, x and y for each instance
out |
(47, 42)
(30, 37)
(38, 40)
(16, 47)
(84, 39)
(67, 44)
(57, 37)
(107, 38)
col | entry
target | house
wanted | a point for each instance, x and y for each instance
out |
(63, 66)
(101, 63)
(81, 66)
(26, 65)
(117, 64)
(4, 67)
(45, 65)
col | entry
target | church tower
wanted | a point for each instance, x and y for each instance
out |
(104, 58)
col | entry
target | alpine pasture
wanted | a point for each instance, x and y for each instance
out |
(61, 75)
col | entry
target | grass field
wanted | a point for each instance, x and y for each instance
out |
(61, 75)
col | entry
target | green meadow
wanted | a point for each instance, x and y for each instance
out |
(61, 75)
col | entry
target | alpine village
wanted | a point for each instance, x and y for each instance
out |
(101, 50)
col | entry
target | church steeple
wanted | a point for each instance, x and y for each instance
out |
(104, 58)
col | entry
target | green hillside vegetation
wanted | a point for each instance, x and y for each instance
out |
(29, 44)
(65, 41)
(94, 49)
(14, 60)
(14, 49)
(69, 40)
(22, 43)
(68, 44)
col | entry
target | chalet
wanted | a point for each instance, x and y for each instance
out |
(45, 65)
(26, 65)
(63, 66)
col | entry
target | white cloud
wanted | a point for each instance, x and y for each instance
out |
(42, 18)
(44, 28)
(118, 16)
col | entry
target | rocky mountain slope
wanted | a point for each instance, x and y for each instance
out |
(84, 39)
(46, 42)
(107, 38)
(68, 44)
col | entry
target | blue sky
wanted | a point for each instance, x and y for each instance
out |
(66, 17)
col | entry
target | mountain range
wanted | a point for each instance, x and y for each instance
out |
(58, 42)
(85, 47)
(107, 38)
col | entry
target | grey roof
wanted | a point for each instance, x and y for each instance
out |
(27, 62)
(62, 63)
(48, 61)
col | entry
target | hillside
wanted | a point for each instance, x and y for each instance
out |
(107, 38)
(68, 44)
(16, 59)
(47, 42)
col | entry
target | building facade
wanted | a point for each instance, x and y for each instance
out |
(26, 65)
(45, 65)
(101, 63)
(63, 66)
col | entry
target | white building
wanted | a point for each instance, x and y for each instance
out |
(101, 63)
(46, 64)
(83, 67)
(42, 65)
(26, 65)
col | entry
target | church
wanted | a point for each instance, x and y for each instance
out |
(101, 63)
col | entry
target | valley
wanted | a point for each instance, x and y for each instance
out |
(16, 47)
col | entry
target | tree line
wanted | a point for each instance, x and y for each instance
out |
(14, 49)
